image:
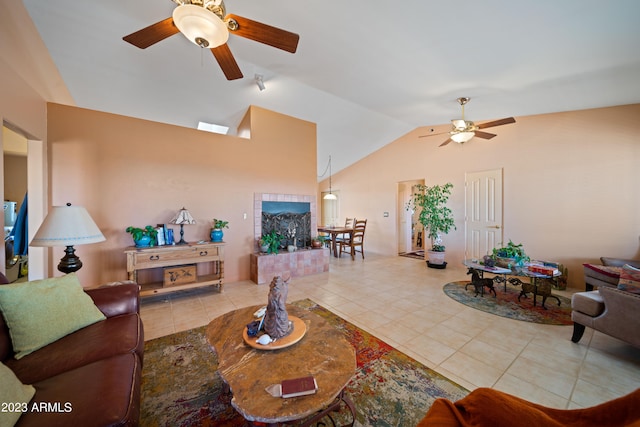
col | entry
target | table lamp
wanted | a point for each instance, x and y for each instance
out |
(68, 226)
(182, 217)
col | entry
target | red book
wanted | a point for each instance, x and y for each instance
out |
(299, 386)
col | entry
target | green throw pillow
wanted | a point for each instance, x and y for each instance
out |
(43, 311)
(14, 396)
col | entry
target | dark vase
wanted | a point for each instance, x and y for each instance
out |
(216, 235)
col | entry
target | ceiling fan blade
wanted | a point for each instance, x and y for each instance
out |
(152, 34)
(446, 142)
(227, 62)
(500, 122)
(484, 135)
(263, 33)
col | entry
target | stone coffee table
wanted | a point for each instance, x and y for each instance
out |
(323, 352)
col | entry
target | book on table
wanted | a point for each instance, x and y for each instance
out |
(299, 386)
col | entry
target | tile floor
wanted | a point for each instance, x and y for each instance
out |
(401, 301)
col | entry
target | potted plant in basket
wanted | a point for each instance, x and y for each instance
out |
(510, 256)
(216, 231)
(435, 217)
(143, 237)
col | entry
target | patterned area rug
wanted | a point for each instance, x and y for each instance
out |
(507, 305)
(180, 385)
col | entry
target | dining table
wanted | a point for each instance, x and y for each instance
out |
(334, 231)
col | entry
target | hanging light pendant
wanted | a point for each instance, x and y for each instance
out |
(330, 196)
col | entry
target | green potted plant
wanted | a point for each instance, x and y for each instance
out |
(271, 242)
(318, 241)
(436, 218)
(510, 256)
(216, 231)
(143, 237)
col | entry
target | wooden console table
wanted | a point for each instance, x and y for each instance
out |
(175, 255)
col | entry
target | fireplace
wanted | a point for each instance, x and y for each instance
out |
(292, 220)
(292, 216)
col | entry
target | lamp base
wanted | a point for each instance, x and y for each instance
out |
(70, 262)
(182, 241)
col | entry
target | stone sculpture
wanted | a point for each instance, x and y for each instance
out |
(276, 321)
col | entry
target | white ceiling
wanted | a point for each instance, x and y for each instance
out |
(365, 72)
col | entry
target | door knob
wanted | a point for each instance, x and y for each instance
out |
(494, 226)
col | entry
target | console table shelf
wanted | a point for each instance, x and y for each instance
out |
(176, 255)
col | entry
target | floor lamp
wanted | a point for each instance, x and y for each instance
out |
(68, 226)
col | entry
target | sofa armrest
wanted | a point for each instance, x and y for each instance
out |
(619, 262)
(620, 318)
(116, 300)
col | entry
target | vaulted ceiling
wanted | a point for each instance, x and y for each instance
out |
(367, 72)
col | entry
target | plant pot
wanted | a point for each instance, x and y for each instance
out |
(316, 244)
(506, 262)
(216, 235)
(436, 258)
(438, 266)
(264, 249)
(143, 242)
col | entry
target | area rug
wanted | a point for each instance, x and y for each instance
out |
(506, 304)
(414, 254)
(180, 385)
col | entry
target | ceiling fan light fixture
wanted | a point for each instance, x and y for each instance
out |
(462, 137)
(459, 124)
(201, 26)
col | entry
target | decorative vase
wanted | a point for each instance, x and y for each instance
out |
(291, 248)
(216, 235)
(143, 242)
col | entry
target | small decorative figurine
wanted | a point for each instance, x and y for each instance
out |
(276, 322)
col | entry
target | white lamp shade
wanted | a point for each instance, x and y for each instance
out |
(67, 226)
(198, 23)
(330, 196)
(182, 217)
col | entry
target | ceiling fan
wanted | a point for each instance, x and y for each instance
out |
(463, 130)
(205, 23)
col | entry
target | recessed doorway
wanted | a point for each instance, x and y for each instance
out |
(410, 232)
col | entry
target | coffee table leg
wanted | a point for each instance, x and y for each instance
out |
(333, 407)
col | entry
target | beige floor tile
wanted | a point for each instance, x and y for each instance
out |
(478, 373)
(488, 354)
(550, 379)
(526, 390)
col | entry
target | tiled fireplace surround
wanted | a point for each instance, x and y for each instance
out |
(299, 263)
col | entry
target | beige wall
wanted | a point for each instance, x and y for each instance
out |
(127, 171)
(571, 184)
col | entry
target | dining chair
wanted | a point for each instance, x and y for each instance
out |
(355, 240)
(348, 223)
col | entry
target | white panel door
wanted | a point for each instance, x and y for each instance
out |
(483, 212)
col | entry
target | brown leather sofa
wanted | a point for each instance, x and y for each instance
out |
(90, 377)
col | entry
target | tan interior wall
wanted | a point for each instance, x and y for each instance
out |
(127, 171)
(570, 185)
